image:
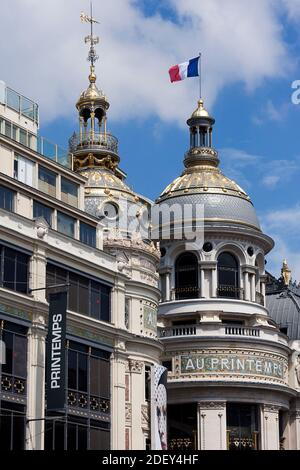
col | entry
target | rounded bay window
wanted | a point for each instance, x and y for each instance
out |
(228, 276)
(186, 276)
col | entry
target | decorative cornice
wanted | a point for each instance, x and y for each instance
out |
(212, 405)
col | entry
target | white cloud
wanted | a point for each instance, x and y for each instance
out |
(44, 55)
(284, 227)
(271, 181)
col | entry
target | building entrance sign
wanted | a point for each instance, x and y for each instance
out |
(227, 363)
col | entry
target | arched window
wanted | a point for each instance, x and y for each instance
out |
(186, 276)
(228, 276)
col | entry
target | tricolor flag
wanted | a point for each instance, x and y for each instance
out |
(185, 70)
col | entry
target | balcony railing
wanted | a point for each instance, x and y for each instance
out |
(259, 298)
(37, 143)
(19, 103)
(231, 292)
(94, 140)
(241, 331)
(216, 329)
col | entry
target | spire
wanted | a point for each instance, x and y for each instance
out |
(95, 146)
(201, 151)
(286, 273)
(93, 40)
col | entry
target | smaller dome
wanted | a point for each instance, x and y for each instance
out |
(104, 179)
(92, 94)
(200, 112)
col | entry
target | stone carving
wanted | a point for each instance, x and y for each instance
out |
(212, 405)
(128, 412)
(145, 413)
(136, 366)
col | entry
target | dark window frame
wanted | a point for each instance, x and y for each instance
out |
(7, 198)
(7, 255)
(96, 290)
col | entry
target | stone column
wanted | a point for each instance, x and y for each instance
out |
(36, 383)
(253, 288)
(202, 281)
(212, 425)
(269, 427)
(118, 366)
(214, 283)
(294, 429)
(246, 286)
(118, 304)
(137, 399)
(167, 284)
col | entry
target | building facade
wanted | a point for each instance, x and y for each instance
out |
(51, 236)
(69, 221)
(232, 381)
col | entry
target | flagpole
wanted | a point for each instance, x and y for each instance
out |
(200, 75)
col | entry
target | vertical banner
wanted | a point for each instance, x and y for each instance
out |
(56, 339)
(158, 407)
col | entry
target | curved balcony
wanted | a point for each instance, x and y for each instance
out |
(190, 306)
(224, 331)
(95, 140)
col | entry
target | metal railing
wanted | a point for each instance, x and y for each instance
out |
(90, 139)
(35, 142)
(19, 103)
(231, 292)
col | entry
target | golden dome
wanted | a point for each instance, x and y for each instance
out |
(200, 112)
(204, 179)
(92, 94)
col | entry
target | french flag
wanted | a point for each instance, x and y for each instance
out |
(185, 70)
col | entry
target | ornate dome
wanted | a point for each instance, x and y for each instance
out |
(202, 182)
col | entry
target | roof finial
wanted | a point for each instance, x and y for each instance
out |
(93, 40)
(286, 273)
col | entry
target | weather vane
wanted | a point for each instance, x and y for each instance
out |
(93, 40)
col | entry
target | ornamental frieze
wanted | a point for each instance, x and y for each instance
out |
(230, 364)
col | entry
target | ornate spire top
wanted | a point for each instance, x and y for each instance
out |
(286, 273)
(93, 40)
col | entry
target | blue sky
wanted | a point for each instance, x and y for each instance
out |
(250, 59)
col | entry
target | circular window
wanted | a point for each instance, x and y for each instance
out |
(109, 211)
(207, 247)
(250, 251)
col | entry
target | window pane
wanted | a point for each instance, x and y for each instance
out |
(9, 268)
(22, 272)
(59, 439)
(47, 181)
(95, 376)
(99, 439)
(87, 234)
(82, 372)
(72, 370)
(20, 356)
(73, 292)
(23, 137)
(7, 199)
(65, 224)
(82, 438)
(105, 304)
(7, 337)
(68, 187)
(83, 295)
(40, 210)
(71, 436)
(18, 432)
(5, 430)
(95, 300)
